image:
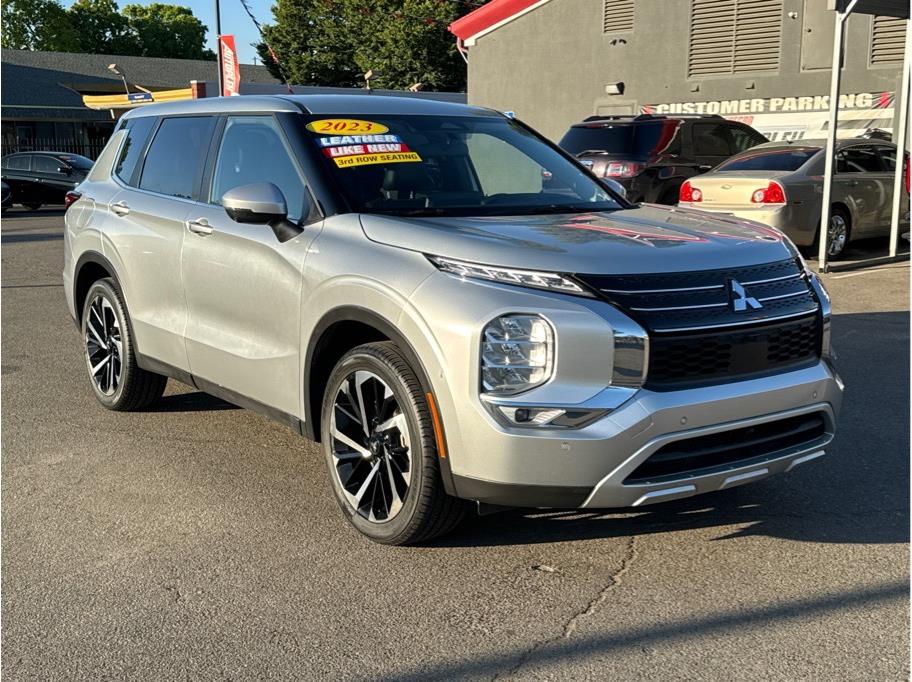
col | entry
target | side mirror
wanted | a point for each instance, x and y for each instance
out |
(258, 203)
(615, 186)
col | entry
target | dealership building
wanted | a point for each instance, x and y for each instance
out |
(764, 62)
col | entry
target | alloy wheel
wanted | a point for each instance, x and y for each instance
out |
(370, 446)
(104, 345)
(837, 235)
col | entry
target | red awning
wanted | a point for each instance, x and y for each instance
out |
(487, 16)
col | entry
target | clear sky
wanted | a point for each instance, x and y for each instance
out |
(234, 20)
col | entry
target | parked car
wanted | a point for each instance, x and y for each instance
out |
(6, 197)
(37, 178)
(781, 184)
(653, 155)
(449, 303)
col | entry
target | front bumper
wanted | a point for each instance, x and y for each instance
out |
(587, 467)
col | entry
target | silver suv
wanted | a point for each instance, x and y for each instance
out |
(450, 304)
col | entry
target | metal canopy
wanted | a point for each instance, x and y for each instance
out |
(844, 8)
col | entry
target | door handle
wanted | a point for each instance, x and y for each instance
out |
(120, 208)
(199, 226)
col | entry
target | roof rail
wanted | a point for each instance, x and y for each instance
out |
(645, 117)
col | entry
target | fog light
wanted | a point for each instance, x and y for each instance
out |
(546, 416)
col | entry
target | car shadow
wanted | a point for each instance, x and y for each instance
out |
(196, 401)
(858, 493)
(21, 238)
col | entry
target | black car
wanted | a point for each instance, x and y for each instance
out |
(652, 155)
(37, 178)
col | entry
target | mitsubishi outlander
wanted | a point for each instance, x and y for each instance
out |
(452, 306)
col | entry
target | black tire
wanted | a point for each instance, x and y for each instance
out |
(120, 384)
(33, 207)
(424, 509)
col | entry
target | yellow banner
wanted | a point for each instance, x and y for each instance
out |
(370, 159)
(123, 102)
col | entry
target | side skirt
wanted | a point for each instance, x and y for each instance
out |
(152, 365)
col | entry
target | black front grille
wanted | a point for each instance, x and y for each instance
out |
(699, 335)
(703, 454)
(687, 360)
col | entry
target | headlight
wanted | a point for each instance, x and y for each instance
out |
(517, 353)
(536, 279)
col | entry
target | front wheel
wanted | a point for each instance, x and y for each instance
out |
(380, 448)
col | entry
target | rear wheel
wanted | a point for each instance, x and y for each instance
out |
(119, 383)
(380, 449)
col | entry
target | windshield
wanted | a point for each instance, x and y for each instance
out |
(77, 161)
(790, 159)
(640, 140)
(466, 166)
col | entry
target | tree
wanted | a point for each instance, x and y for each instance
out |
(334, 42)
(167, 31)
(37, 25)
(102, 29)
(98, 27)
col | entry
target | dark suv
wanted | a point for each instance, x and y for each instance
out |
(651, 155)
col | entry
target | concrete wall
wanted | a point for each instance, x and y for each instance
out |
(551, 65)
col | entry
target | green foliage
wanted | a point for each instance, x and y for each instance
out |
(334, 42)
(102, 29)
(168, 31)
(99, 27)
(37, 25)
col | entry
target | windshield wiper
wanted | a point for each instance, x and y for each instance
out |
(590, 151)
(544, 209)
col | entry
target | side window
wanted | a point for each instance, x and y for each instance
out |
(857, 160)
(45, 164)
(20, 162)
(711, 139)
(251, 151)
(138, 131)
(742, 140)
(176, 156)
(888, 158)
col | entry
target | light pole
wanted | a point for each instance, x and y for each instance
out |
(118, 72)
(218, 38)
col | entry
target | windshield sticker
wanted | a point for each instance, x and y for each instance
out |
(341, 126)
(370, 159)
(354, 139)
(353, 149)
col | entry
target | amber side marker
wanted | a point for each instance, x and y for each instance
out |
(438, 428)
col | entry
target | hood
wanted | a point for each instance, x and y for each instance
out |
(646, 238)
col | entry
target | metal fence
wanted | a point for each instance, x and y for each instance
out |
(90, 148)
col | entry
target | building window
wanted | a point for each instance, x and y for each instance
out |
(734, 36)
(888, 37)
(617, 16)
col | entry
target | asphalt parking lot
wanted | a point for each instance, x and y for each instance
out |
(201, 541)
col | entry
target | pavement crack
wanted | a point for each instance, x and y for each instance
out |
(572, 624)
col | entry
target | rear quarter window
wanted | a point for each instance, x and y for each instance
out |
(138, 131)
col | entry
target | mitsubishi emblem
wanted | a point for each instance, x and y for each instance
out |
(740, 301)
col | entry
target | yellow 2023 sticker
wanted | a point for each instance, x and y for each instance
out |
(346, 126)
(370, 159)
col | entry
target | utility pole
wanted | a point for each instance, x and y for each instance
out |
(218, 35)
